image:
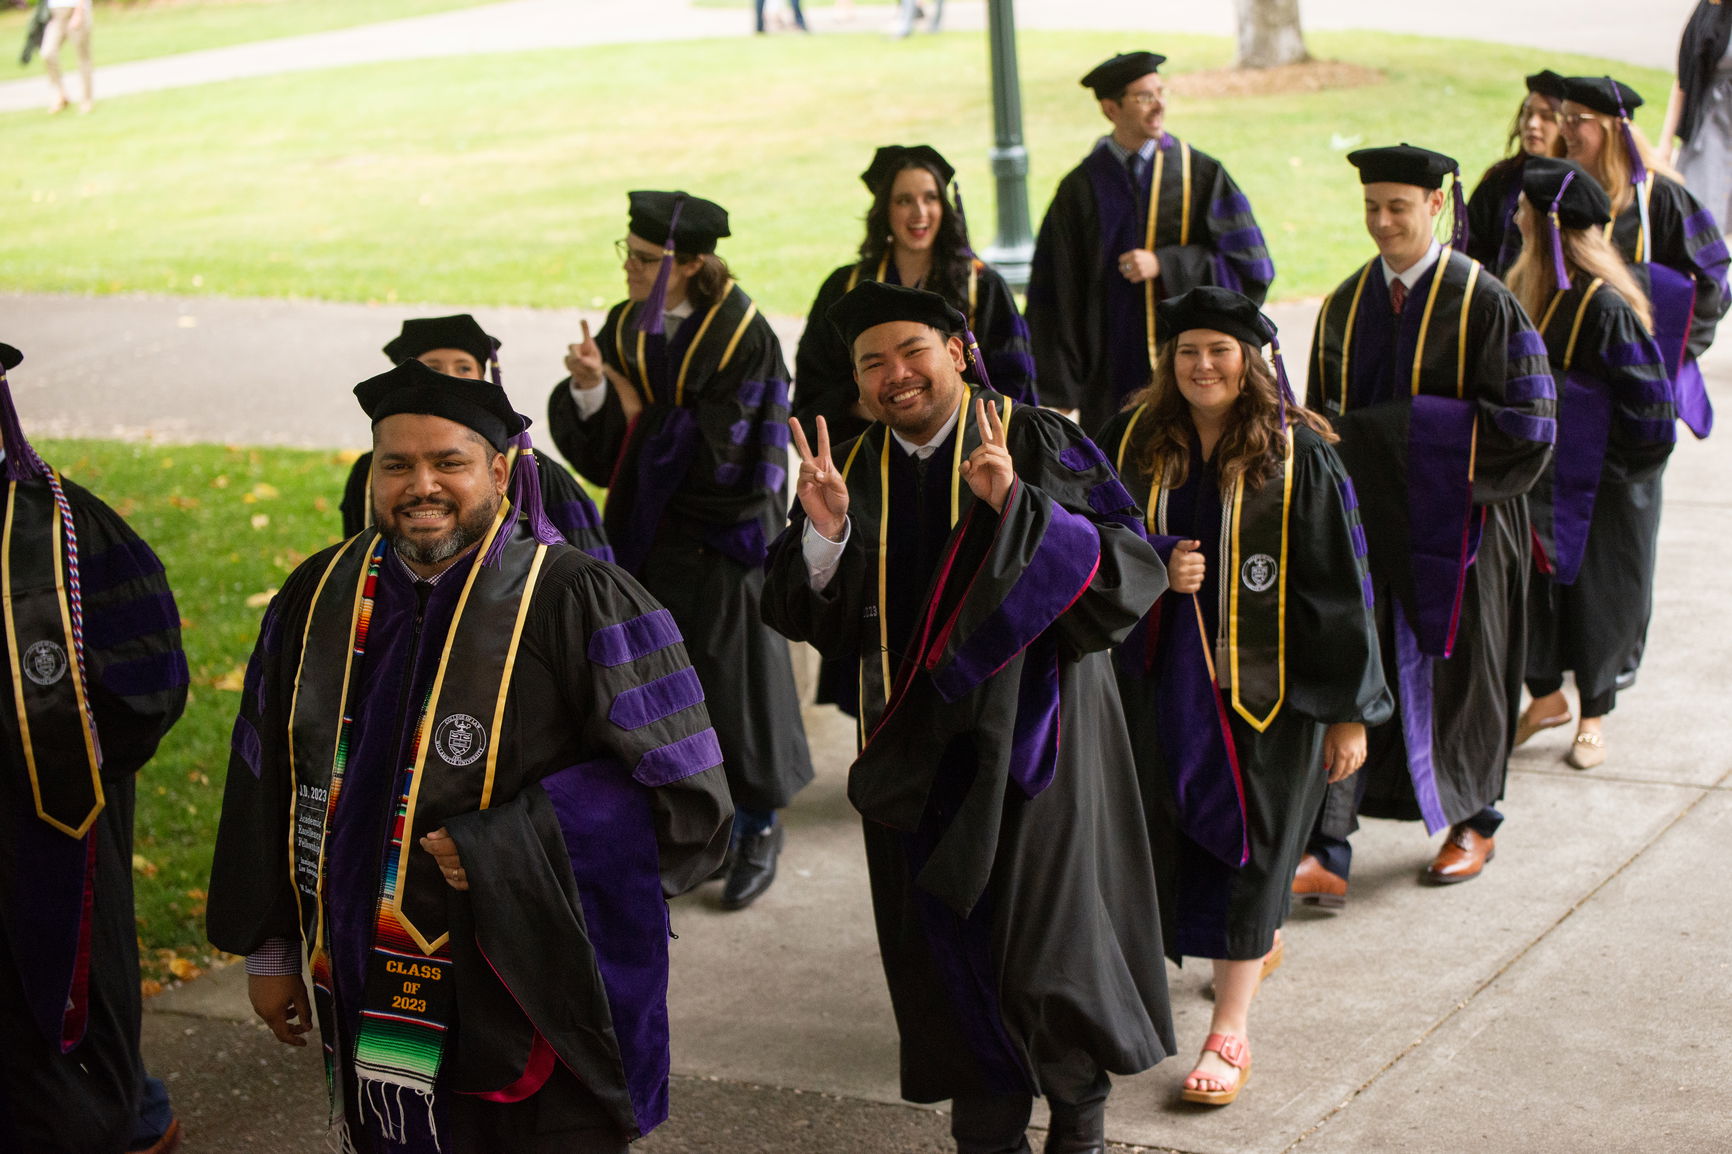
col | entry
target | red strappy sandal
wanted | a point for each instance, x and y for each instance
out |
(1236, 1052)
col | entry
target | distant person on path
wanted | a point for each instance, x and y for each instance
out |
(1699, 113)
(1660, 227)
(97, 679)
(977, 559)
(1249, 686)
(680, 406)
(1596, 511)
(1144, 217)
(470, 765)
(793, 7)
(458, 347)
(1492, 237)
(1440, 390)
(910, 11)
(69, 20)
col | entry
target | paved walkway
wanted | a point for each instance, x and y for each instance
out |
(1644, 33)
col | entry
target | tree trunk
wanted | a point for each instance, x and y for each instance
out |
(1269, 33)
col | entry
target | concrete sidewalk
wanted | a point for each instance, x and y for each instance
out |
(1574, 998)
(1645, 33)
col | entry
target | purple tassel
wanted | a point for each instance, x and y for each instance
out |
(974, 357)
(1638, 170)
(1281, 376)
(1458, 231)
(1557, 231)
(526, 492)
(22, 463)
(649, 321)
(493, 364)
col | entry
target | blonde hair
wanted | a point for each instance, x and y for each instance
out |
(1612, 167)
(1533, 280)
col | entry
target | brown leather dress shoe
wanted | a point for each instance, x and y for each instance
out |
(1314, 885)
(1462, 857)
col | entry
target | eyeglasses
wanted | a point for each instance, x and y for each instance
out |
(626, 252)
(1580, 118)
(1143, 100)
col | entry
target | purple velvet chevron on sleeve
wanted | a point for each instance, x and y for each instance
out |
(679, 759)
(630, 640)
(657, 700)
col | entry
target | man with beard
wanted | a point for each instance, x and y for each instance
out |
(678, 407)
(470, 764)
(978, 559)
(1441, 391)
(1144, 217)
(458, 347)
(97, 677)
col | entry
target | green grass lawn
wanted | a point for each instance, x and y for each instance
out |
(501, 180)
(142, 29)
(229, 525)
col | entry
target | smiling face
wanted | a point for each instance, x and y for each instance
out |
(1539, 124)
(452, 362)
(437, 486)
(910, 377)
(916, 208)
(1140, 112)
(1210, 369)
(1584, 132)
(1400, 218)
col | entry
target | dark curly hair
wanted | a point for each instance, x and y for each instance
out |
(1250, 446)
(951, 255)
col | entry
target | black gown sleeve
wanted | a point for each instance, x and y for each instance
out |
(1336, 670)
(830, 620)
(1485, 219)
(1620, 352)
(1687, 238)
(1004, 339)
(1063, 326)
(823, 371)
(356, 493)
(1510, 378)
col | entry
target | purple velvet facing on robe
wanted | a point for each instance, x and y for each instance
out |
(1414, 685)
(1673, 295)
(1196, 737)
(662, 464)
(46, 920)
(1440, 506)
(609, 832)
(1039, 715)
(1057, 573)
(146, 675)
(1584, 428)
(244, 741)
(630, 640)
(115, 625)
(123, 562)
(1122, 212)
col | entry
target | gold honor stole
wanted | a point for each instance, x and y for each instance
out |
(1153, 223)
(876, 680)
(44, 645)
(1248, 656)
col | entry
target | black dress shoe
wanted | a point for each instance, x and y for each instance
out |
(754, 867)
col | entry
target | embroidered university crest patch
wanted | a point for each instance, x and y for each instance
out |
(45, 663)
(1258, 572)
(460, 739)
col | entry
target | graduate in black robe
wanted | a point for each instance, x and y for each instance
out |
(97, 678)
(679, 407)
(1246, 697)
(977, 559)
(1492, 237)
(1672, 241)
(1439, 388)
(915, 235)
(1144, 217)
(471, 763)
(1596, 510)
(458, 347)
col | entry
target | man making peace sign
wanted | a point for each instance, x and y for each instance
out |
(979, 559)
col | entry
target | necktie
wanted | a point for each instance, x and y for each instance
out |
(1134, 166)
(1398, 295)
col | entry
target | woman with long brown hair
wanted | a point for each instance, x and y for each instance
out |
(1492, 239)
(1596, 511)
(1250, 684)
(1657, 224)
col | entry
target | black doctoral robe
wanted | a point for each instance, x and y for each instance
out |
(1493, 239)
(567, 505)
(84, 1097)
(1445, 413)
(1090, 328)
(697, 486)
(1010, 870)
(824, 372)
(1321, 658)
(608, 796)
(1597, 507)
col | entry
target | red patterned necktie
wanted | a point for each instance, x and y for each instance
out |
(1398, 295)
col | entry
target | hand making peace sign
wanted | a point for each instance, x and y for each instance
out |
(823, 494)
(988, 470)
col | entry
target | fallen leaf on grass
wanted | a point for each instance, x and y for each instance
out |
(260, 600)
(184, 969)
(183, 502)
(233, 681)
(260, 520)
(143, 865)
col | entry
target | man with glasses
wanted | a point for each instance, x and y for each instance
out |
(1142, 218)
(680, 407)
